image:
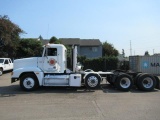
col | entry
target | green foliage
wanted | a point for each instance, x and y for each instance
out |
(124, 65)
(9, 37)
(146, 53)
(101, 64)
(69, 51)
(98, 64)
(54, 40)
(109, 50)
(81, 59)
(40, 37)
(29, 48)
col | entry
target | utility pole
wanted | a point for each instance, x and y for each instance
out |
(130, 48)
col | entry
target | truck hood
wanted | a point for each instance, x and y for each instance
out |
(25, 62)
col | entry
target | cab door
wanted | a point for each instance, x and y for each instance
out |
(6, 65)
(10, 64)
(50, 60)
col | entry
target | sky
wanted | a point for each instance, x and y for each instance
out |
(132, 25)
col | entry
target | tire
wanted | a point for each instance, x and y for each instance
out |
(109, 80)
(146, 82)
(28, 82)
(92, 81)
(1, 71)
(136, 78)
(124, 82)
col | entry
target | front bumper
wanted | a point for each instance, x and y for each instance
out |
(14, 80)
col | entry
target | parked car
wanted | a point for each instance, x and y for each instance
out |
(6, 64)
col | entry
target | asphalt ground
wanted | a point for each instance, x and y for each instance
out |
(61, 103)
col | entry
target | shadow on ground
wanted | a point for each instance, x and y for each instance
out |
(107, 88)
(13, 90)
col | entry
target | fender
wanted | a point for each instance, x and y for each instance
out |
(87, 73)
(37, 71)
(1, 66)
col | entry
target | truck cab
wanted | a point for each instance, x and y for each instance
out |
(48, 70)
(5, 65)
(53, 59)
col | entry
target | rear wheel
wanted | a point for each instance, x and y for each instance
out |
(124, 82)
(109, 79)
(136, 78)
(146, 82)
(1, 71)
(92, 81)
(28, 82)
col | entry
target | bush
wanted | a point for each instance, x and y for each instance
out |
(101, 64)
(98, 64)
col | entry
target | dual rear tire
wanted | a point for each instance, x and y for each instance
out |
(146, 82)
(143, 81)
(124, 82)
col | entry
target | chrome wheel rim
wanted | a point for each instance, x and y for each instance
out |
(28, 83)
(147, 82)
(125, 82)
(92, 81)
(0, 72)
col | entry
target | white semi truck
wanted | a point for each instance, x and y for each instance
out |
(51, 70)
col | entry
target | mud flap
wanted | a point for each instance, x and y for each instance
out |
(157, 82)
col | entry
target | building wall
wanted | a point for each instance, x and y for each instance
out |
(90, 51)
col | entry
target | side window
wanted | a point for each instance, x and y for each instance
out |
(10, 61)
(94, 49)
(6, 62)
(52, 51)
(1, 60)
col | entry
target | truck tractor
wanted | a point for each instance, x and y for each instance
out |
(51, 70)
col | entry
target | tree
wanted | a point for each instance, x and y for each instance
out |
(54, 40)
(109, 50)
(29, 48)
(9, 37)
(123, 53)
(146, 53)
(40, 37)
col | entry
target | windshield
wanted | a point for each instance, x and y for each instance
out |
(1, 60)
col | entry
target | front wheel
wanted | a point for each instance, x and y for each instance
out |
(28, 82)
(92, 81)
(1, 71)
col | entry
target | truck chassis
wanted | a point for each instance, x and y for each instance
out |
(121, 80)
(50, 70)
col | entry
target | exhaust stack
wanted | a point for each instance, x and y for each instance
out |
(74, 58)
